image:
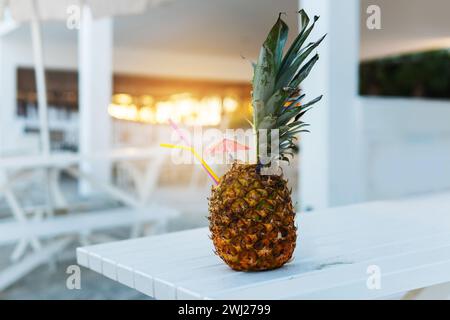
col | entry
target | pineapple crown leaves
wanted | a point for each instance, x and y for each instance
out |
(276, 96)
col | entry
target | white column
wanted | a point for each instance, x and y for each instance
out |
(3, 102)
(8, 81)
(39, 71)
(331, 155)
(95, 45)
(7, 86)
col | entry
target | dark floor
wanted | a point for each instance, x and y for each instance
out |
(49, 282)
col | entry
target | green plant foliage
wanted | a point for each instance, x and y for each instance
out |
(422, 74)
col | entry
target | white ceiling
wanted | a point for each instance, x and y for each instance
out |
(211, 27)
(237, 27)
(207, 27)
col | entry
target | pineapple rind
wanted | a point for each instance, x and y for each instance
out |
(252, 219)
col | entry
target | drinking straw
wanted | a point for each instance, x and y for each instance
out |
(186, 140)
(179, 132)
(199, 158)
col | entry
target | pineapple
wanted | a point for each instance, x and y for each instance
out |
(251, 214)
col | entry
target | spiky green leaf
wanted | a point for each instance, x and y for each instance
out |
(296, 45)
(285, 77)
(292, 113)
(269, 61)
(304, 71)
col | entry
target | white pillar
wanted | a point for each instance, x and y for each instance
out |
(331, 155)
(39, 71)
(8, 97)
(7, 86)
(95, 45)
(3, 102)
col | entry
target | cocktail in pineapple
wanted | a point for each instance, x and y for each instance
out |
(251, 213)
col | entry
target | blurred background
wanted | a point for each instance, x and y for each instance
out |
(112, 75)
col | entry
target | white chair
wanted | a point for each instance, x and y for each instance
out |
(39, 225)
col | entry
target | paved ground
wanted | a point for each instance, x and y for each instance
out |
(47, 282)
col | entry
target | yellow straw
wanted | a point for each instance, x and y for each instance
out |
(199, 158)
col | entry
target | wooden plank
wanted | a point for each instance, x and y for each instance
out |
(139, 249)
(137, 243)
(399, 273)
(318, 252)
(309, 261)
(38, 161)
(123, 270)
(66, 159)
(111, 259)
(83, 257)
(93, 220)
(167, 283)
(154, 260)
(371, 235)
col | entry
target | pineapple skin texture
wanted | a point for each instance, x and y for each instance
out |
(251, 219)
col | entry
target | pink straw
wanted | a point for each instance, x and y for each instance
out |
(186, 141)
(179, 132)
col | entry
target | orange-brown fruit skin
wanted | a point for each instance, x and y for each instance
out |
(251, 219)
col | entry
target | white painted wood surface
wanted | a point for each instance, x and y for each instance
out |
(409, 240)
(65, 159)
(85, 223)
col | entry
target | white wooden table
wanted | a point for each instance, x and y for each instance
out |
(407, 242)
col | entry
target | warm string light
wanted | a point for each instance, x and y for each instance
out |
(181, 108)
